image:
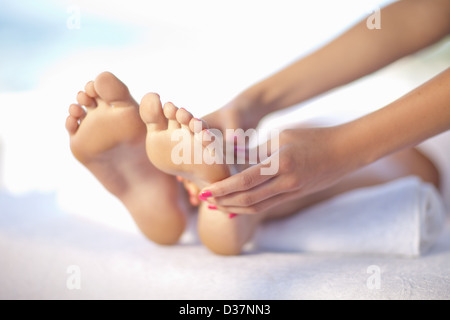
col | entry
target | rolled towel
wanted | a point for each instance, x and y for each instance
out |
(403, 217)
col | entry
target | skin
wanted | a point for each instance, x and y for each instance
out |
(110, 142)
(314, 159)
(128, 147)
(226, 236)
(407, 27)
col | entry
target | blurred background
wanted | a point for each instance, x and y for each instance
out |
(198, 54)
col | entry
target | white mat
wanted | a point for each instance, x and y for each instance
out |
(39, 245)
(403, 217)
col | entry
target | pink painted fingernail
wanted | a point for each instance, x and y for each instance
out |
(232, 215)
(205, 195)
(212, 207)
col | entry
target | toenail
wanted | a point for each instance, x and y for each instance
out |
(212, 207)
(209, 133)
(205, 195)
(232, 215)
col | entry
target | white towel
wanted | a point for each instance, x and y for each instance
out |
(403, 217)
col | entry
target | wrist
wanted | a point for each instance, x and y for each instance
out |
(354, 146)
(337, 152)
(256, 100)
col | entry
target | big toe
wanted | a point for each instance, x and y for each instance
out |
(110, 89)
(152, 113)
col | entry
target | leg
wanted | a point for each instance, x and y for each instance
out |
(109, 139)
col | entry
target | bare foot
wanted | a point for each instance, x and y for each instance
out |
(109, 139)
(217, 231)
(166, 128)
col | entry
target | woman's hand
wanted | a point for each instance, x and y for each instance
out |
(308, 159)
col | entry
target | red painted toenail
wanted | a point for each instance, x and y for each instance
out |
(209, 133)
(232, 215)
(212, 207)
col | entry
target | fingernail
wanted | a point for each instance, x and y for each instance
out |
(205, 195)
(212, 207)
(232, 215)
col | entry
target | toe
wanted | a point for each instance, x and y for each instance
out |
(152, 113)
(170, 112)
(197, 125)
(193, 191)
(84, 100)
(110, 89)
(90, 89)
(183, 117)
(71, 125)
(207, 136)
(76, 111)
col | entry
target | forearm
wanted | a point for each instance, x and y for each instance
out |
(417, 116)
(407, 26)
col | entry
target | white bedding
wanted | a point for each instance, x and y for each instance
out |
(39, 244)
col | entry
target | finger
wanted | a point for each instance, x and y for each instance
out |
(255, 195)
(263, 206)
(243, 181)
